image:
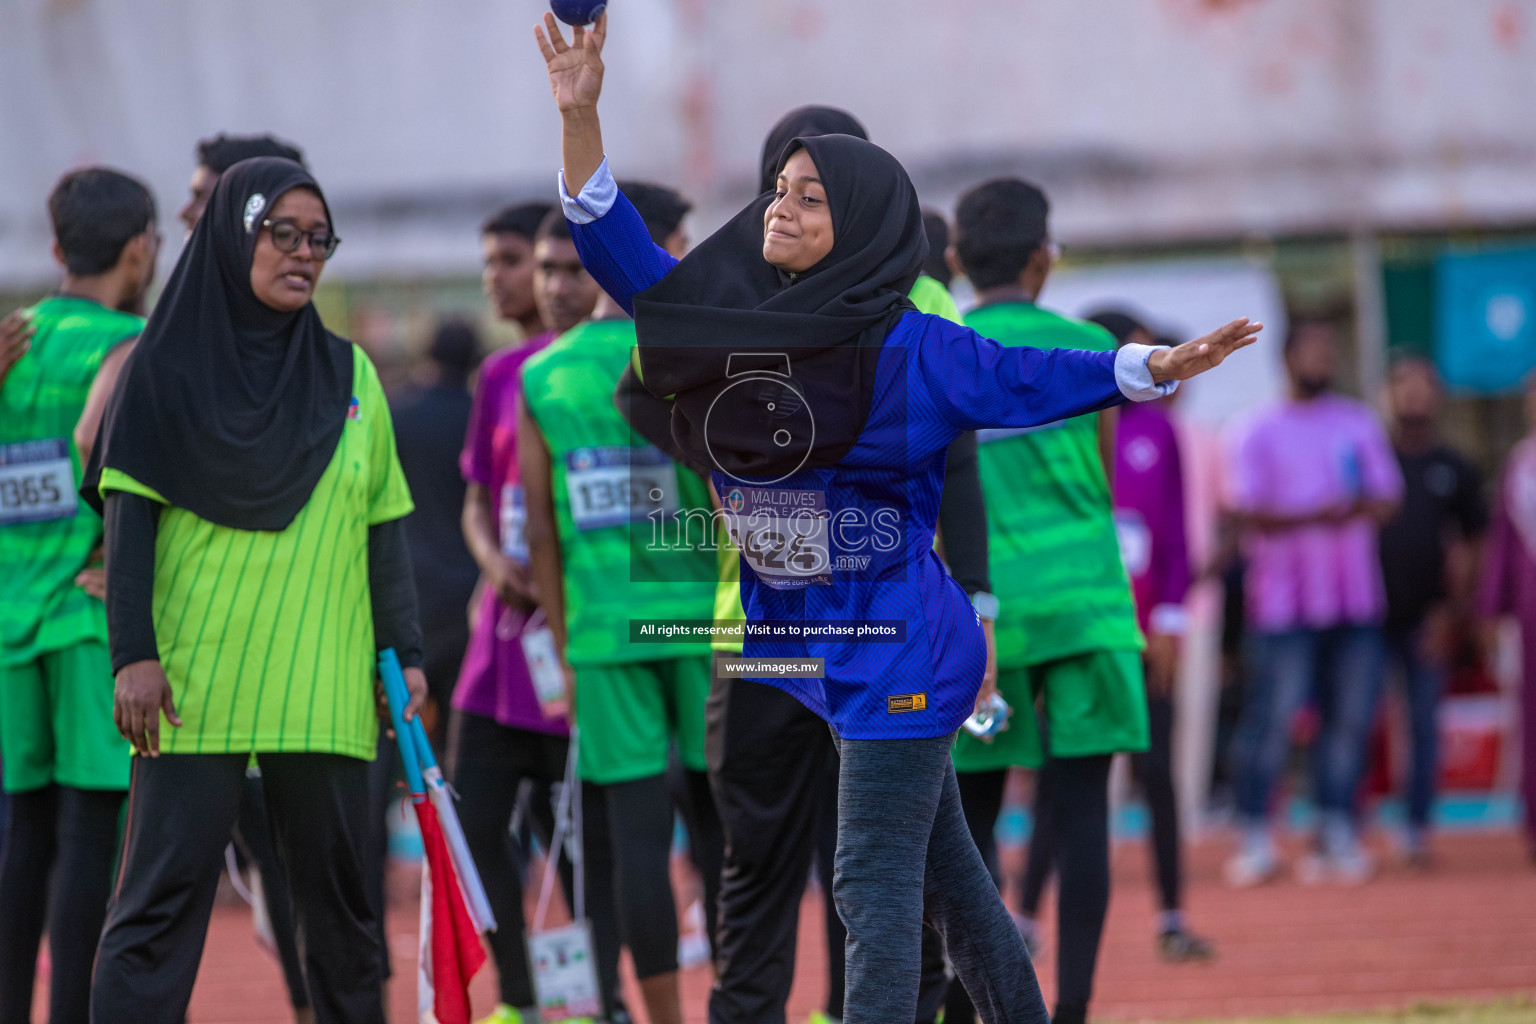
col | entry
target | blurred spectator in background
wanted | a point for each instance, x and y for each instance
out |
(1148, 483)
(431, 419)
(219, 154)
(1428, 561)
(937, 230)
(214, 157)
(1312, 480)
(499, 736)
(506, 246)
(527, 272)
(1065, 619)
(1509, 584)
(66, 771)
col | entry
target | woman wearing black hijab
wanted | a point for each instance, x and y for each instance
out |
(773, 767)
(255, 563)
(824, 403)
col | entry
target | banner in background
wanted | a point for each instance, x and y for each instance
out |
(1485, 337)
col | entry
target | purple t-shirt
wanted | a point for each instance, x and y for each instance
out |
(1300, 458)
(1149, 514)
(1509, 568)
(494, 680)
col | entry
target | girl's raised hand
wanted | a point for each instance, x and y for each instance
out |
(1195, 357)
(575, 68)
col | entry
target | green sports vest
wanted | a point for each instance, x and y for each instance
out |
(46, 532)
(619, 505)
(1054, 558)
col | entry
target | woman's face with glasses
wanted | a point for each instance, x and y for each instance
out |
(291, 249)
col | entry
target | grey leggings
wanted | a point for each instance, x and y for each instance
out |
(905, 855)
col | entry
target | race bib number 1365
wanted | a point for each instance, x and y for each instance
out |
(37, 482)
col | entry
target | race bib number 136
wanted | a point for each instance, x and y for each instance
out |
(610, 485)
(37, 482)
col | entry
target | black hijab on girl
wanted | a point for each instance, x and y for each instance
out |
(229, 408)
(802, 349)
(802, 123)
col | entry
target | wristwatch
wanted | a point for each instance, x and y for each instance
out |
(986, 605)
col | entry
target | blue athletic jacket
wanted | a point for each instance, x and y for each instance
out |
(934, 380)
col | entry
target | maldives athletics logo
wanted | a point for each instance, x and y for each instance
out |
(736, 500)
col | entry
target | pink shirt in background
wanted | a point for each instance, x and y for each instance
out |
(1303, 457)
(494, 681)
(1149, 515)
(1509, 588)
(1509, 565)
(489, 457)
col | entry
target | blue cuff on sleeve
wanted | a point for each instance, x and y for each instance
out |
(1134, 376)
(596, 199)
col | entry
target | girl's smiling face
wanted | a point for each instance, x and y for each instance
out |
(797, 228)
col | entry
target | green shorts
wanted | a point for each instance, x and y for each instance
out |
(1094, 703)
(56, 722)
(628, 715)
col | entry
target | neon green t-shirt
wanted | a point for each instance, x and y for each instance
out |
(614, 495)
(929, 296)
(46, 532)
(1054, 558)
(267, 637)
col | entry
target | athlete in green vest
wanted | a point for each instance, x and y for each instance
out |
(66, 769)
(1066, 625)
(599, 498)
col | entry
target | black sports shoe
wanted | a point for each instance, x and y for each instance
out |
(1070, 1013)
(1178, 946)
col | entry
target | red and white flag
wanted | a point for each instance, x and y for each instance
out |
(450, 952)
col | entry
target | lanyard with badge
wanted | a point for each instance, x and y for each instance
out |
(544, 668)
(564, 959)
(535, 636)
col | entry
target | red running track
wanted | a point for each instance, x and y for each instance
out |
(1464, 930)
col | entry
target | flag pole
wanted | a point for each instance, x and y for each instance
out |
(413, 737)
